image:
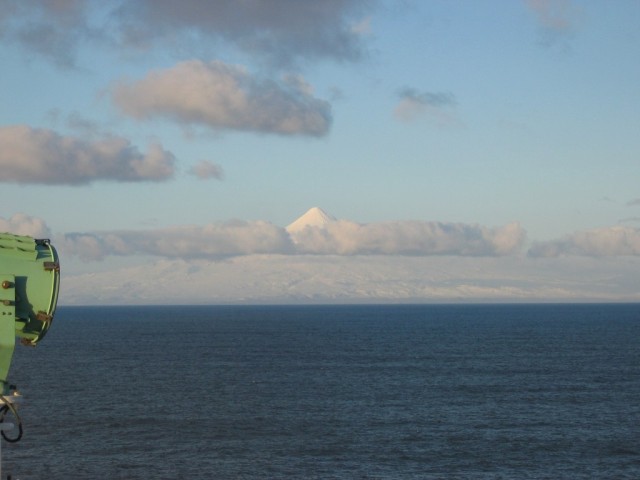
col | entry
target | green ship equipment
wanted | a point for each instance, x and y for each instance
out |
(29, 284)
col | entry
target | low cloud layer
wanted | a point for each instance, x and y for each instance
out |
(335, 238)
(39, 156)
(601, 242)
(221, 96)
(409, 238)
(210, 241)
(338, 238)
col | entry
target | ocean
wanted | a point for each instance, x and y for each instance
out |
(331, 392)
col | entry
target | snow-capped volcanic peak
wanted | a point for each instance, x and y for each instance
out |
(315, 217)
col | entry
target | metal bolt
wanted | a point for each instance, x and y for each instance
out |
(6, 284)
(7, 302)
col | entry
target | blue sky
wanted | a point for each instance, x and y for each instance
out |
(124, 125)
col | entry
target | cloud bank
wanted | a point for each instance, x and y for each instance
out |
(221, 96)
(339, 238)
(209, 241)
(39, 156)
(257, 262)
(409, 238)
(601, 242)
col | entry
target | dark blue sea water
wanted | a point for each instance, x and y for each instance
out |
(332, 392)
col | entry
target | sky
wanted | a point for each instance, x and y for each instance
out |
(468, 151)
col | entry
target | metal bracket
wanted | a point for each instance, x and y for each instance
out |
(51, 266)
(44, 317)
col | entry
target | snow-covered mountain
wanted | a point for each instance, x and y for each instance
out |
(282, 279)
(314, 217)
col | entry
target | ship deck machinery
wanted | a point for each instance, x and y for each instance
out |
(29, 285)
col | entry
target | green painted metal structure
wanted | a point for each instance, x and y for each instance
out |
(29, 285)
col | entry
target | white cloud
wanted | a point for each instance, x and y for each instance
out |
(21, 224)
(31, 155)
(601, 242)
(409, 238)
(222, 96)
(205, 170)
(210, 241)
(336, 238)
